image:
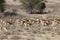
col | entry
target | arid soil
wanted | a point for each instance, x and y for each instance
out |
(26, 26)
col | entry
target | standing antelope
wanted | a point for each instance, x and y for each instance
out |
(2, 27)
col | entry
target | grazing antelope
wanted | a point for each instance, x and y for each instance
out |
(57, 21)
(18, 22)
(42, 22)
(22, 21)
(9, 21)
(53, 22)
(26, 22)
(45, 22)
(32, 21)
(29, 22)
(2, 21)
(38, 21)
(49, 22)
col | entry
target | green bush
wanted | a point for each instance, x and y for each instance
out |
(32, 5)
(2, 5)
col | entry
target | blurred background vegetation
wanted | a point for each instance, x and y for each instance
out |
(34, 5)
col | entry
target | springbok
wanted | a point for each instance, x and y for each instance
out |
(57, 21)
(9, 21)
(38, 20)
(45, 22)
(2, 27)
(53, 22)
(18, 22)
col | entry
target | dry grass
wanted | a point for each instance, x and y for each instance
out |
(26, 26)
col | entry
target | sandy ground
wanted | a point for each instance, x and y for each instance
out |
(36, 31)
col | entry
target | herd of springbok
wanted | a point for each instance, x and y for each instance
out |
(25, 22)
